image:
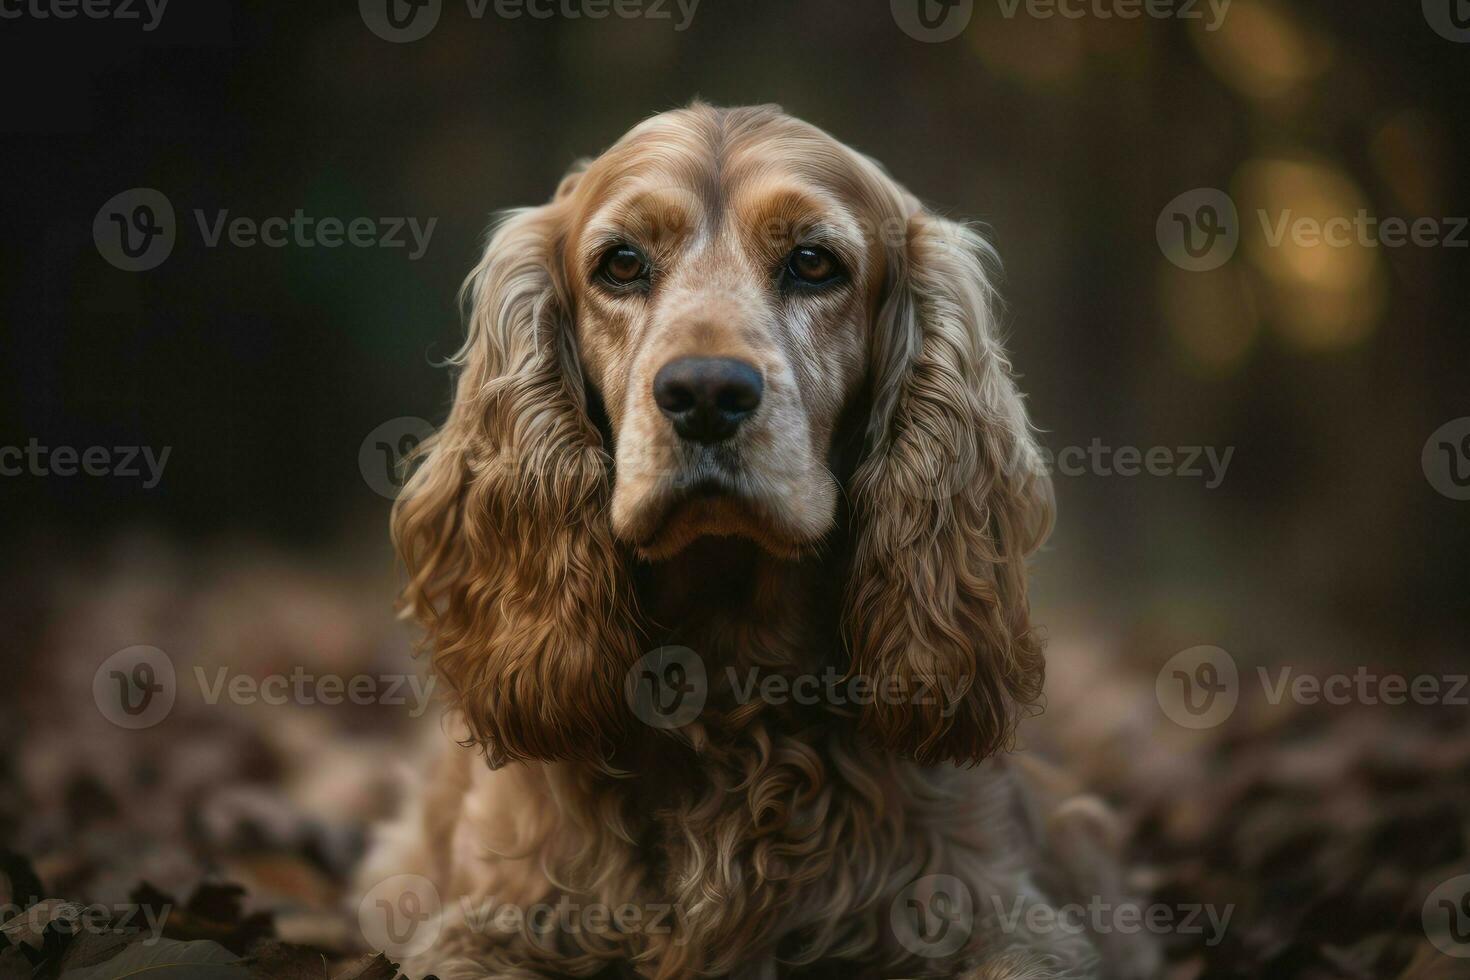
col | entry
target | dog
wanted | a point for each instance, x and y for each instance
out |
(721, 555)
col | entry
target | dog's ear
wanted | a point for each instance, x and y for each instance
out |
(513, 568)
(947, 505)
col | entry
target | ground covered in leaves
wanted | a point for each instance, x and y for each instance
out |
(228, 830)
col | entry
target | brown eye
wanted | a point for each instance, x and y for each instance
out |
(624, 265)
(813, 266)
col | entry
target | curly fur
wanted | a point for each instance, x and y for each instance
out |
(780, 834)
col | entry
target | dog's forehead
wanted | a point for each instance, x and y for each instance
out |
(711, 159)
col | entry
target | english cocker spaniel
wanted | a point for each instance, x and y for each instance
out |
(721, 554)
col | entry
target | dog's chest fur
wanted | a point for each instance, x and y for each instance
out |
(768, 827)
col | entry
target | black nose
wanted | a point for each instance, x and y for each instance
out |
(707, 397)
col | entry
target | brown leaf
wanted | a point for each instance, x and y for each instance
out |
(377, 967)
(270, 959)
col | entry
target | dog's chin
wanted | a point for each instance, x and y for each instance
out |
(676, 518)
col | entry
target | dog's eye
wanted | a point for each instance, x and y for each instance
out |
(813, 266)
(623, 265)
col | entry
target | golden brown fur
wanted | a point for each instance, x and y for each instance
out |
(873, 517)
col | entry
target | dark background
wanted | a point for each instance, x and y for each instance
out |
(263, 548)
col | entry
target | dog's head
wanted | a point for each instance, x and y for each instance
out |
(667, 351)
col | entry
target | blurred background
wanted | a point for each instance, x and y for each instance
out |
(1336, 537)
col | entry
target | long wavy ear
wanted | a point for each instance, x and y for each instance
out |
(948, 504)
(513, 568)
